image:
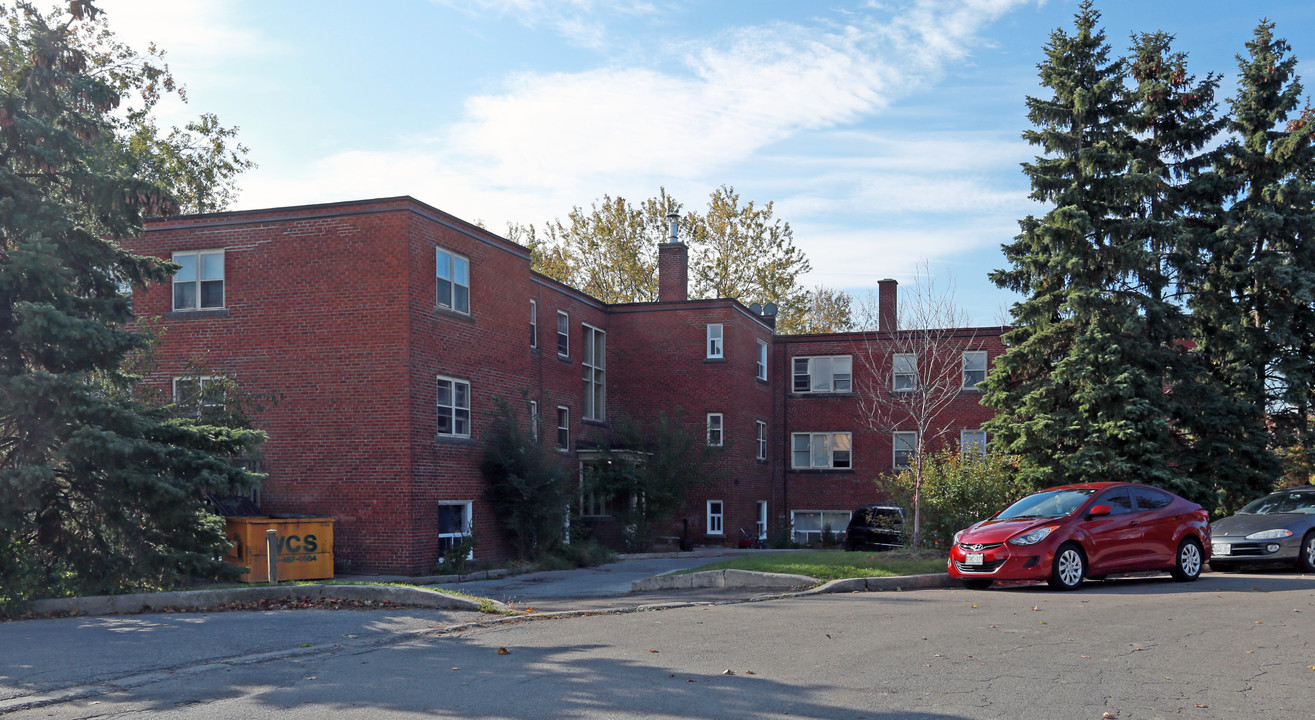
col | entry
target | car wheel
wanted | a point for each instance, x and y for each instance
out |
(1187, 564)
(976, 583)
(1069, 567)
(1306, 557)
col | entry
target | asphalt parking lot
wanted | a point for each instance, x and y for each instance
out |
(1228, 646)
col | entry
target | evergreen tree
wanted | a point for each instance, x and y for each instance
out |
(1254, 296)
(1079, 391)
(97, 492)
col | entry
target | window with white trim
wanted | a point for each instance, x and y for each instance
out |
(534, 420)
(594, 504)
(199, 396)
(906, 447)
(762, 439)
(762, 360)
(821, 451)
(825, 374)
(715, 349)
(762, 520)
(972, 443)
(199, 282)
(455, 521)
(563, 428)
(714, 429)
(453, 407)
(453, 280)
(534, 324)
(807, 526)
(593, 359)
(904, 372)
(974, 368)
(715, 518)
(563, 334)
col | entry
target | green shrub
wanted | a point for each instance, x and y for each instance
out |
(586, 553)
(959, 491)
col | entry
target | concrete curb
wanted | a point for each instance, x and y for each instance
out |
(201, 600)
(750, 579)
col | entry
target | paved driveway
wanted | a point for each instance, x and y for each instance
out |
(1226, 647)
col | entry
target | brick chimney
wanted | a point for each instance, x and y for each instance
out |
(887, 305)
(673, 266)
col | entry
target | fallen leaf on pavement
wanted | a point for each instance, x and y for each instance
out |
(1202, 706)
(503, 651)
(1036, 608)
(728, 671)
(750, 672)
(1107, 715)
(1084, 656)
(652, 651)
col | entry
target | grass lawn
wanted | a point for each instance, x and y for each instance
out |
(835, 564)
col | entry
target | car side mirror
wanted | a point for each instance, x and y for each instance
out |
(1099, 511)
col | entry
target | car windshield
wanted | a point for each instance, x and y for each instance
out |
(1048, 504)
(1289, 502)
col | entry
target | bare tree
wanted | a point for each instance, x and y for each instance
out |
(913, 372)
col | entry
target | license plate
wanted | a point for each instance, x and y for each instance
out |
(1223, 549)
(973, 559)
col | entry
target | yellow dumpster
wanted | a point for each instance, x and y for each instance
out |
(305, 547)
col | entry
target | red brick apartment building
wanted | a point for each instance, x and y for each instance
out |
(389, 328)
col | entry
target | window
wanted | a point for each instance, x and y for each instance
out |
(199, 397)
(453, 407)
(1118, 500)
(974, 368)
(563, 428)
(823, 374)
(762, 360)
(534, 420)
(762, 439)
(199, 282)
(563, 334)
(906, 445)
(714, 429)
(821, 451)
(714, 341)
(715, 526)
(808, 525)
(594, 504)
(453, 281)
(534, 324)
(762, 520)
(594, 361)
(454, 525)
(905, 370)
(1148, 499)
(972, 443)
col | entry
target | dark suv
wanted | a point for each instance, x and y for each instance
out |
(875, 527)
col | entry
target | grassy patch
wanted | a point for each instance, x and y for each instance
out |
(834, 564)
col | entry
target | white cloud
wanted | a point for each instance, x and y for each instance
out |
(582, 22)
(197, 33)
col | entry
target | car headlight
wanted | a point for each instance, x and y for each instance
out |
(1032, 537)
(957, 536)
(1269, 535)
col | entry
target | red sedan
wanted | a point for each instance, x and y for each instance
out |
(1090, 530)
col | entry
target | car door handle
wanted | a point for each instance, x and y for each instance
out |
(1134, 523)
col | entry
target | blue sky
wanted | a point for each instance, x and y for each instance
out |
(886, 132)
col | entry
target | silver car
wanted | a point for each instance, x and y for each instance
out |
(1276, 529)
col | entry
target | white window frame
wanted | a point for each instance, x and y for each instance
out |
(903, 372)
(716, 345)
(762, 520)
(453, 410)
(534, 324)
(761, 429)
(593, 360)
(534, 420)
(716, 429)
(817, 367)
(467, 524)
(903, 442)
(563, 334)
(837, 523)
(199, 279)
(972, 443)
(563, 429)
(762, 360)
(448, 268)
(716, 521)
(830, 443)
(969, 366)
(201, 382)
